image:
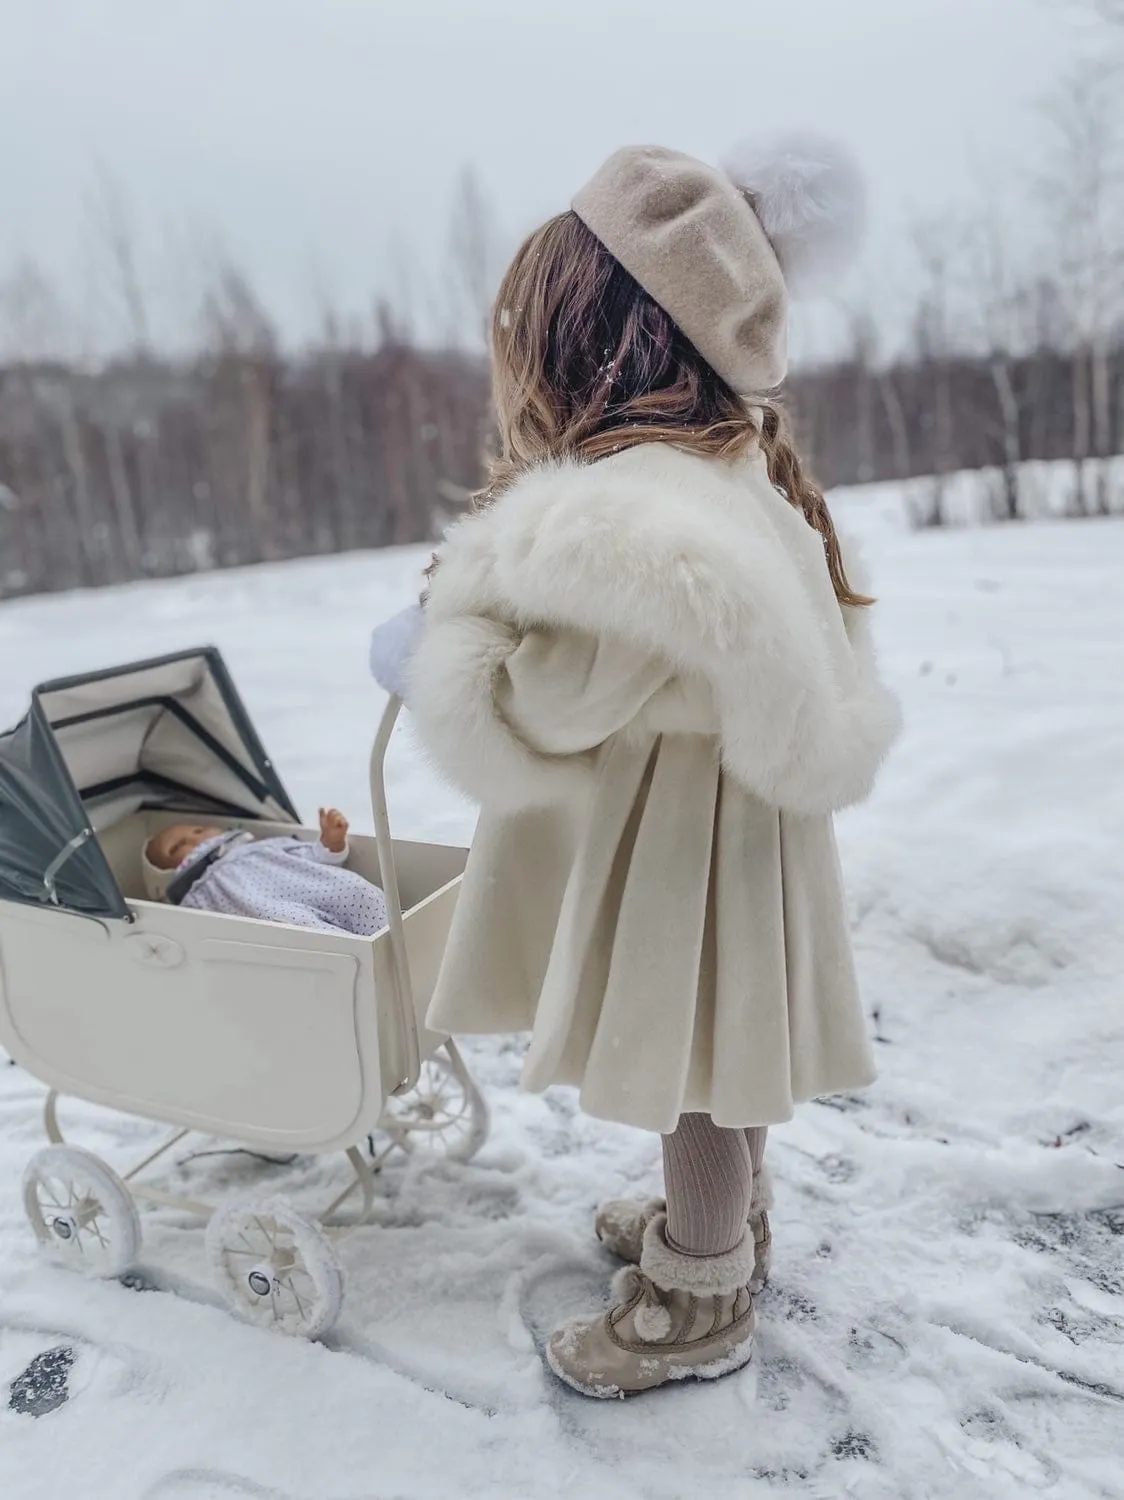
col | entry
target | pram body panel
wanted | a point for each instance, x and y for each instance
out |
(269, 1034)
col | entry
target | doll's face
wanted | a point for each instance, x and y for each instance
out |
(171, 847)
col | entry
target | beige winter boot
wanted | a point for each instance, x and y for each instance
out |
(621, 1222)
(674, 1317)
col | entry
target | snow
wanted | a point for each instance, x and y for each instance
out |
(971, 497)
(946, 1314)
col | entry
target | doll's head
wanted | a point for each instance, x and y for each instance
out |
(171, 846)
(166, 851)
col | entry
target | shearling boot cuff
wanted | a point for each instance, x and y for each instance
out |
(762, 1189)
(705, 1275)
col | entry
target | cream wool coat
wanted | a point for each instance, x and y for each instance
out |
(640, 669)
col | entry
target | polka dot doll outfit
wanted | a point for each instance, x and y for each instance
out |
(287, 880)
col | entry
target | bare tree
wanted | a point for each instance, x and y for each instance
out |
(877, 388)
(239, 333)
(899, 426)
(999, 311)
(934, 344)
(420, 303)
(1083, 189)
(863, 340)
(113, 242)
(33, 323)
(232, 317)
(475, 254)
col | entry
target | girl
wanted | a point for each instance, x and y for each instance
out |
(645, 657)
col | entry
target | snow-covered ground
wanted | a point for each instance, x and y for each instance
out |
(947, 1311)
(1043, 489)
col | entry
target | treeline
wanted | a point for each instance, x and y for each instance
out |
(148, 469)
(940, 416)
(148, 466)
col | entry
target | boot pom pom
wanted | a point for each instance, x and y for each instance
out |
(652, 1322)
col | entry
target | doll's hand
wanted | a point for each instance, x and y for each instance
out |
(333, 830)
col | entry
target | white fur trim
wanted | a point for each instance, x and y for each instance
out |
(703, 565)
(451, 691)
(705, 1275)
(808, 194)
(623, 1220)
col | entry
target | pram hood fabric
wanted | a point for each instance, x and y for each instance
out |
(168, 733)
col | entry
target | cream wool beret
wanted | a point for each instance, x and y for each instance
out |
(720, 250)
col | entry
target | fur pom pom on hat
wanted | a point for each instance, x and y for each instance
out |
(716, 249)
(809, 196)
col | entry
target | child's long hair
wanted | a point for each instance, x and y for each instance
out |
(585, 364)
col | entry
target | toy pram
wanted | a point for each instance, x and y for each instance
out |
(276, 1037)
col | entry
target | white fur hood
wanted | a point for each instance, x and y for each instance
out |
(702, 564)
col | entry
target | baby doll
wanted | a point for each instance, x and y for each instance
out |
(273, 879)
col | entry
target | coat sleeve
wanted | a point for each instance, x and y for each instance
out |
(513, 717)
(566, 692)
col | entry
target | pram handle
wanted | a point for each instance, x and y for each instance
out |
(388, 869)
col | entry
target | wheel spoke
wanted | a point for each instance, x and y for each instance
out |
(305, 1278)
(270, 1238)
(288, 1282)
(438, 1115)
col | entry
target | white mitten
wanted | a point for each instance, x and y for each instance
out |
(392, 646)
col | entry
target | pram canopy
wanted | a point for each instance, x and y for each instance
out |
(167, 733)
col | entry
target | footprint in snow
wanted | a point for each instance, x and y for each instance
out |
(43, 1369)
(44, 1385)
(562, 1289)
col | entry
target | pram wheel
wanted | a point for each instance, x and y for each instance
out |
(444, 1115)
(277, 1268)
(82, 1213)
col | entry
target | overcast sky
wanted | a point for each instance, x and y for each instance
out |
(312, 135)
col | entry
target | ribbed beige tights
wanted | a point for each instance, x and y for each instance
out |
(708, 1173)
